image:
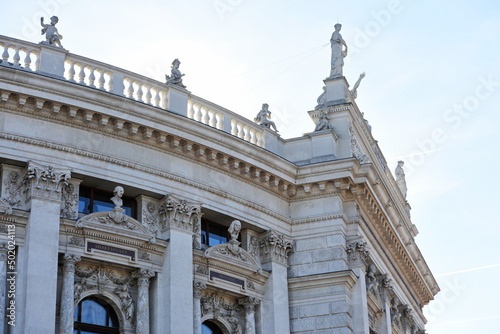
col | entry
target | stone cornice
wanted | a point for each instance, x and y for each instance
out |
(323, 280)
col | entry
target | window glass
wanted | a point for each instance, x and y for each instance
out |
(94, 200)
(217, 234)
(93, 313)
(95, 316)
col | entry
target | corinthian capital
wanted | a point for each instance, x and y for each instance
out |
(357, 253)
(249, 303)
(275, 247)
(45, 181)
(178, 213)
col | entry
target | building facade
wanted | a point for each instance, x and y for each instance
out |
(130, 205)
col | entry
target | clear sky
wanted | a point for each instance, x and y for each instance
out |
(431, 94)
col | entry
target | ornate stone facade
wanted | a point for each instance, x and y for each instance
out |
(153, 163)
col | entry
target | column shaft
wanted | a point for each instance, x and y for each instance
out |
(143, 277)
(68, 294)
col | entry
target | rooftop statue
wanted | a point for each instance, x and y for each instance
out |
(354, 92)
(323, 123)
(263, 118)
(338, 53)
(400, 178)
(175, 75)
(51, 33)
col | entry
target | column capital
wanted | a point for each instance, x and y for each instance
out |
(180, 214)
(69, 261)
(357, 253)
(143, 275)
(249, 303)
(45, 182)
(197, 287)
(275, 247)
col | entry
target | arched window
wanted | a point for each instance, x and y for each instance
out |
(209, 327)
(95, 316)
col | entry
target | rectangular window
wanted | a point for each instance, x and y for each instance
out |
(212, 233)
(94, 200)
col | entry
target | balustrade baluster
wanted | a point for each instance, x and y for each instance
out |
(27, 60)
(139, 92)
(206, 117)
(92, 77)
(213, 119)
(191, 110)
(17, 58)
(157, 97)
(131, 89)
(81, 75)
(148, 94)
(71, 71)
(102, 80)
(5, 55)
(247, 133)
(37, 62)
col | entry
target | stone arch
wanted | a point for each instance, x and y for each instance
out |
(112, 300)
(220, 321)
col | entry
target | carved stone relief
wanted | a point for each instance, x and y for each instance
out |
(77, 241)
(127, 303)
(150, 218)
(223, 307)
(69, 205)
(275, 247)
(177, 213)
(357, 253)
(44, 181)
(12, 185)
(356, 150)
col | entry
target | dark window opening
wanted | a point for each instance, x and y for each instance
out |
(213, 234)
(95, 316)
(93, 200)
(209, 327)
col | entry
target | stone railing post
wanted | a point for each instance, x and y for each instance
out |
(68, 293)
(143, 276)
(249, 304)
(197, 287)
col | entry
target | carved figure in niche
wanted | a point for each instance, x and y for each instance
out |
(12, 189)
(150, 219)
(400, 178)
(338, 53)
(51, 34)
(117, 198)
(263, 118)
(235, 324)
(69, 200)
(234, 230)
(354, 92)
(323, 123)
(394, 309)
(371, 281)
(414, 329)
(127, 302)
(175, 75)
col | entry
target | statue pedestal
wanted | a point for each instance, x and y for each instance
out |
(337, 91)
(177, 98)
(52, 60)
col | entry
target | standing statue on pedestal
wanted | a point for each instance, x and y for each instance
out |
(338, 53)
(175, 75)
(50, 31)
(263, 118)
(400, 178)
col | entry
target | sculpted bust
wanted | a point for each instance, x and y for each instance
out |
(234, 230)
(117, 198)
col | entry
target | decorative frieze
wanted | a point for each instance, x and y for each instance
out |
(45, 181)
(357, 253)
(217, 306)
(275, 247)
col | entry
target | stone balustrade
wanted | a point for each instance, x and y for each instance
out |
(94, 74)
(220, 118)
(20, 54)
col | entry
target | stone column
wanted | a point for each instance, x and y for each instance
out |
(197, 287)
(249, 304)
(68, 293)
(143, 276)
(43, 187)
(357, 254)
(274, 249)
(385, 288)
(3, 282)
(174, 287)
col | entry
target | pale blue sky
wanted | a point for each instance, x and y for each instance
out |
(422, 60)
